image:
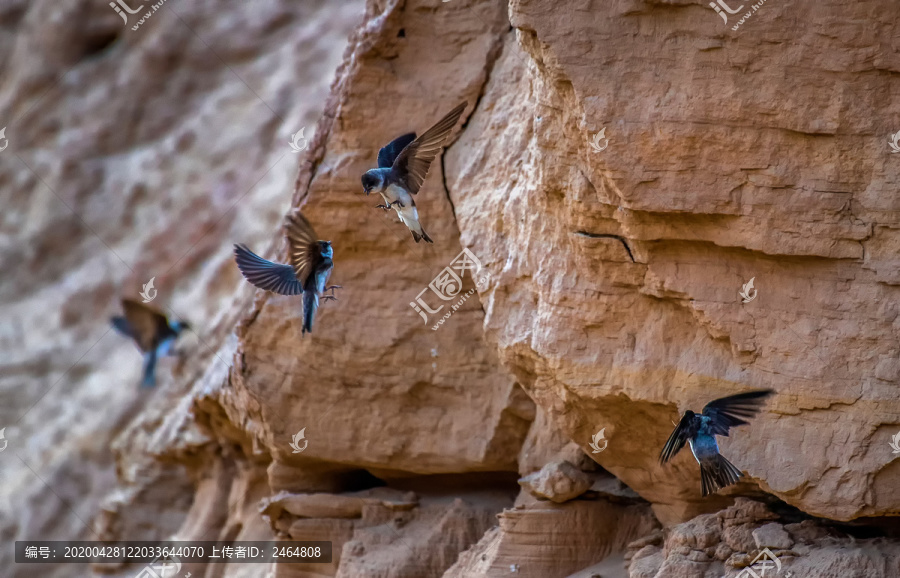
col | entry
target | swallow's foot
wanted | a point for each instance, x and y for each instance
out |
(329, 298)
(398, 203)
(332, 288)
(383, 207)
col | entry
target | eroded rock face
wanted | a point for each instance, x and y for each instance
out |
(130, 155)
(611, 302)
(743, 535)
(721, 166)
(557, 481)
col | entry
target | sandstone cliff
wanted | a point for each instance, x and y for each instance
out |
(611, 296)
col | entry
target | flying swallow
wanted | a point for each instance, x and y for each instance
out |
(152, 331)
(311, 262)
(402, 167)
(701, 430)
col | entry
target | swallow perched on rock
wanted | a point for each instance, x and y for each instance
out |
(402, 167)
(701, 430)
(311, 262)
(152, 331)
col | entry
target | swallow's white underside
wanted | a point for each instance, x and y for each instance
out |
(408, 214)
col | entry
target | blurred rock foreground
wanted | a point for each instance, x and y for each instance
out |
(463, 451)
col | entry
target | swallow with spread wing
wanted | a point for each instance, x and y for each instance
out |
(311, 262)
(152, 331)
(700, 432)
(402, 167)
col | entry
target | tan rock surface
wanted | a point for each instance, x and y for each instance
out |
(697, 549)
(558, 482)
(730, 157)
(540, 538)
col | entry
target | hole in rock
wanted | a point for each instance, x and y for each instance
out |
(490, 486)
(100, 40)
(862, 528)
(402, 33)
(359, 480)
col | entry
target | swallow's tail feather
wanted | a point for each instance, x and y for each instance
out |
(310, 304)
(419, 235)
(717, 473)
(149, 379)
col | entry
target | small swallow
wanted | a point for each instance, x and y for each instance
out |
(402, 167)
(311, 262)
(700, 430)
(152, 331)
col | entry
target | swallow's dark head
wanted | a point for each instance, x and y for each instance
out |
(689, 414)
(371, 180)
(325, 249)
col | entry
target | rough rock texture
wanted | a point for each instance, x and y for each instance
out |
(611, 299)
(717, 545)
(557, 481)
(761, 153)
(131, 155)
(539, 539)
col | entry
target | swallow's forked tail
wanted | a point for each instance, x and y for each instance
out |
(718, 473)
(149, 379)
(310, 304)
(419, 236)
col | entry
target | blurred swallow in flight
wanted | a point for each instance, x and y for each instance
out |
(700, 430)
(152, 331)
(307, 274)
(402, 167)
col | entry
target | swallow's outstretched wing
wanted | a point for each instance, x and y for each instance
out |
(685, 430)
(306, 251)
(731, 411)
(388, 154)
(262, 273)
(411, 165)
(147, 326)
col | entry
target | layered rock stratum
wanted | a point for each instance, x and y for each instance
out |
(622, 172)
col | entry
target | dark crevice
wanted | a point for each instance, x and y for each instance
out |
(460, 483)
(493, 56)
(98, 43)
(608, 236)
(359, 480)
(861, 528)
